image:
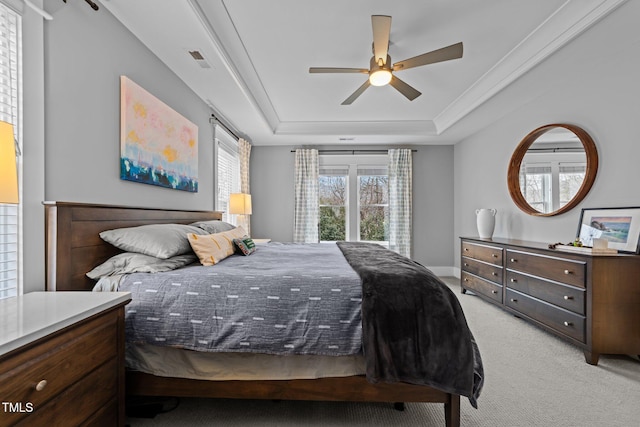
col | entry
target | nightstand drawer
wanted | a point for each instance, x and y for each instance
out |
(45, 370)
(481, 286)
(559, 269)
(487, 271)
(95, 390)
(565, 296)
(490, 254)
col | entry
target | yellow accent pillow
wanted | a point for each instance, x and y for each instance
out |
(213, 248)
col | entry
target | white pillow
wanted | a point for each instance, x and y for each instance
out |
(129, 262)
(156, 240)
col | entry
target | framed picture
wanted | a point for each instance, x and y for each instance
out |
(158, 146)
(620, 227)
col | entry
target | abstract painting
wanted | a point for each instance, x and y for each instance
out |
(158, 146)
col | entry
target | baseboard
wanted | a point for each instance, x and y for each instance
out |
(444, 271)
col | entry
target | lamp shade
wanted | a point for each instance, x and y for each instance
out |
(240, 203)
(8, 165)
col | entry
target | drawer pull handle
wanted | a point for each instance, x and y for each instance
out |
(466, 280)
(514, 300)
(568, 324)
(493, 273)
(493, 291)
(567, 272)
(514, 280)
(41, 385)
(466, 265)
(466, 249)
(494, 255)
(514, 260)
(567, 297)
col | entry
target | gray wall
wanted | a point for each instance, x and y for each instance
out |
(593, 83)
(72, 66)
(85, 54)
(272, 190)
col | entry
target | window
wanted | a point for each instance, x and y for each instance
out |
(354, 198)
(228, 171)
(10, 111)
(535, 182)
(373, 204)
(571, 176)
(333, 204)
(549, 185)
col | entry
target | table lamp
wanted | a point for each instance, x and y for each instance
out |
(9, 167)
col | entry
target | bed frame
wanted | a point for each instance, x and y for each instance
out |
(73, 247)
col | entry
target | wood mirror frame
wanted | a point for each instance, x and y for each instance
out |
(513, 174)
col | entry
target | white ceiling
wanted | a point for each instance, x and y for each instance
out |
(259, 53)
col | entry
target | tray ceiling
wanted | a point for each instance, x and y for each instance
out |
(256, 55)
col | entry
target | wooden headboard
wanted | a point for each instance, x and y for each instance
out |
(74, 247)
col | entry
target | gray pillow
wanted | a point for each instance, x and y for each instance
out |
(129, 262)
(214, 226)
(157, 240)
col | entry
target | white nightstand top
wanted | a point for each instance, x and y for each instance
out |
(28, 317)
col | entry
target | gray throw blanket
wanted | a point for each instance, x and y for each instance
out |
(413, 328)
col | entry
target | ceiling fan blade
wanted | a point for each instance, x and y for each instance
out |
(404, 88)
(357, 93)
(338, 70)
(381, 29)
(445, 54)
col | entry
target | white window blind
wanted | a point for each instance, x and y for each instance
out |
(10, 112)
(228, 172)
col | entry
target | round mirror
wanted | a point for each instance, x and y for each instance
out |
(552, 169)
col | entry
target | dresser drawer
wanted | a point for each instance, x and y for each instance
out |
(563, 321)
(45, 370)
(487, 271)
(561, 270)
(476, 284)
(568, 297)
(490, 254)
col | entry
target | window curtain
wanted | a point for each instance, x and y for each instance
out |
(306, 215)
(244, 151)
(400, 196)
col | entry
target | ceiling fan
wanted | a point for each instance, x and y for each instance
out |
(380, 69)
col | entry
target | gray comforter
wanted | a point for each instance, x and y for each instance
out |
(282, 299)
(321, 299)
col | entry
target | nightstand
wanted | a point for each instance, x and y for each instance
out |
(260, 241)
(62, 358)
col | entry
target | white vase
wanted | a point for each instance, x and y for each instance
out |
(486, 221)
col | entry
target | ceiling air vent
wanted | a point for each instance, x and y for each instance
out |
(195, 54)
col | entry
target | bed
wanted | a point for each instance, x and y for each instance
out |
(73, 247)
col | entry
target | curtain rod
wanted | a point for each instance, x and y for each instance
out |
(556, 149)
(353, 152)
(222, 124)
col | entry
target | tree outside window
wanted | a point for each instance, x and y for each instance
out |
(354, 199)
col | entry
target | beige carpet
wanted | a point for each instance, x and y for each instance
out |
(532, 379)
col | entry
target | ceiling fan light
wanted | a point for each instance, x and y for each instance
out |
(380, 77)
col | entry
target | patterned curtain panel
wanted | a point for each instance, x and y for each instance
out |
(400, 196)
(305, 226)
(244, 152)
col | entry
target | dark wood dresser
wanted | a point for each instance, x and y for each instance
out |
(62, 359)
(590, 300)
